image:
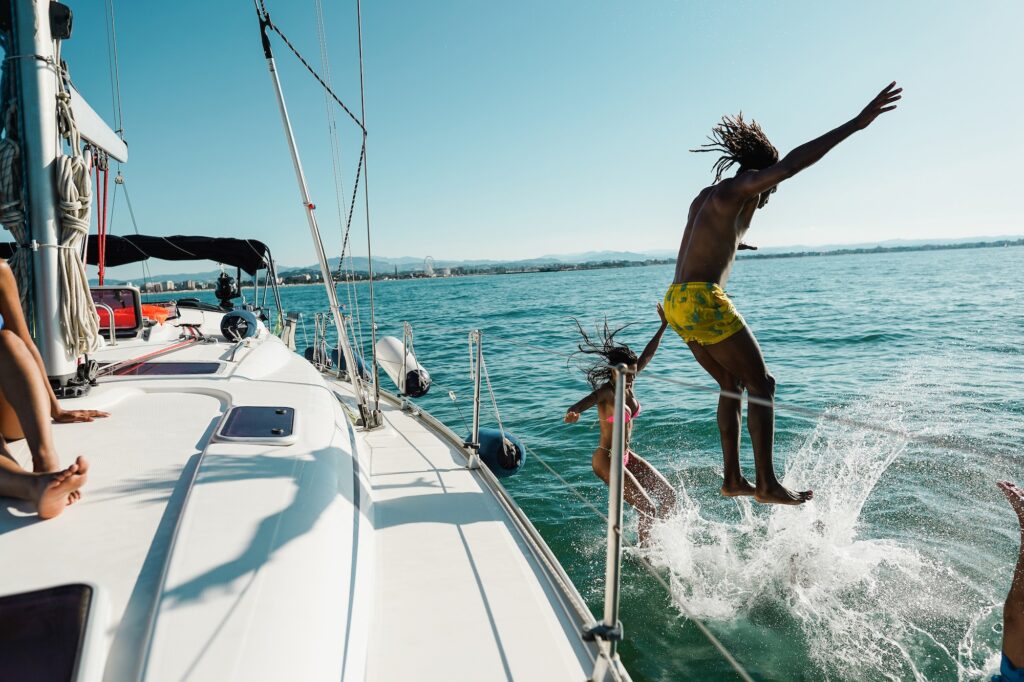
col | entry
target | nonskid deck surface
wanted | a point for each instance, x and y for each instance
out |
(342, 555)
(459, 596)
(215, 559)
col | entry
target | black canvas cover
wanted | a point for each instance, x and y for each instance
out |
(248, 254)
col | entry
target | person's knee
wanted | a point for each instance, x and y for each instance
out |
(10, 342)
(762, 386)
(730, 384)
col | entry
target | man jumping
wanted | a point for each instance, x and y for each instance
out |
(700, 312)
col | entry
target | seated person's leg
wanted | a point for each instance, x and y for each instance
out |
(25, 401)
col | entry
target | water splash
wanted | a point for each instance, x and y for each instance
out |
(867, 607)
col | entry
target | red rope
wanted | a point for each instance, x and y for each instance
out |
(125, 366)
(101, 220)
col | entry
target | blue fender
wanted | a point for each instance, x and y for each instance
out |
(502, 459)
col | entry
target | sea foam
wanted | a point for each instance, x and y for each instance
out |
(868, 607)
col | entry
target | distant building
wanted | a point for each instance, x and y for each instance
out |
(169, 286)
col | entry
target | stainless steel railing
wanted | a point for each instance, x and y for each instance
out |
(476, 338)
(110, 319)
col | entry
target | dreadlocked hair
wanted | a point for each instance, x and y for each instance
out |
(740, 143)
(605, 351)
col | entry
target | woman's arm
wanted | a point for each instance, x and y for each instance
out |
(652, 345)
(572, 415)
(14, 319)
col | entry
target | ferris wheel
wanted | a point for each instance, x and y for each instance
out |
(428, 266)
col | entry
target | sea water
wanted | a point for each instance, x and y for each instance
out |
(897, 569)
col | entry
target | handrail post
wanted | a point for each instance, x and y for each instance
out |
(610, 629)
(474, 437)
(110, 316)
(406, 332)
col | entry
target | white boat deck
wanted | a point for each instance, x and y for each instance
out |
(338, 554)
(451, 562)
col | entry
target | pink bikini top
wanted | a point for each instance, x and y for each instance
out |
(629, 416)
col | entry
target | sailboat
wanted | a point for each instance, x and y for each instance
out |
(250, 514)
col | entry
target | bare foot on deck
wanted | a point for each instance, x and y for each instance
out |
(738, 488)
(778, 494)
(1015, 494)
(61, 489)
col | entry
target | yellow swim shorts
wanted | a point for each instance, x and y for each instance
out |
(701, 312)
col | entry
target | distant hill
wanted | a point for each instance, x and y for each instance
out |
(405, 264)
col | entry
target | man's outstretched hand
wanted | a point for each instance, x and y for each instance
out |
(883, 101)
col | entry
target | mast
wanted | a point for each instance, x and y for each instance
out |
(36, 86)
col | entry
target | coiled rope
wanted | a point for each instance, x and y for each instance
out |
(80, 323)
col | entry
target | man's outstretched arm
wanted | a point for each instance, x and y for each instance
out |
(751, 184)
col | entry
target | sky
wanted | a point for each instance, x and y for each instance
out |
(516, 130)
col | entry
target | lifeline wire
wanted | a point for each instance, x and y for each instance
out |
(812, 414)
(729, 658)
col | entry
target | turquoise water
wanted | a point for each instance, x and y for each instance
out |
(898, 568)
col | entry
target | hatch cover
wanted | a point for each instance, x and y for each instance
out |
(259, 424)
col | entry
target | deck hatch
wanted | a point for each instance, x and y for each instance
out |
(252, 423)
(169, 368)
(42, 632)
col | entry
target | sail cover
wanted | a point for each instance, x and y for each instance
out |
(248, 254)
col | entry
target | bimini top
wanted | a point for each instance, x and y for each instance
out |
(248, 254)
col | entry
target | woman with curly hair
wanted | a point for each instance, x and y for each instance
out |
(645, 489)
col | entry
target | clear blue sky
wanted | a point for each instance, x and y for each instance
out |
(510, 130)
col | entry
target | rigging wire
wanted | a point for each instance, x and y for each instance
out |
(344, 223)
(265, 16)
(121, 181)
(113, 67)
(366, 200)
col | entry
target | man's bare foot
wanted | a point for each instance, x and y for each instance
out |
(61, 489)
(737, 488)
(778, 494)
(1015, 494)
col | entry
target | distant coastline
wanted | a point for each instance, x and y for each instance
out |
(311, 275)
(889, 249)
